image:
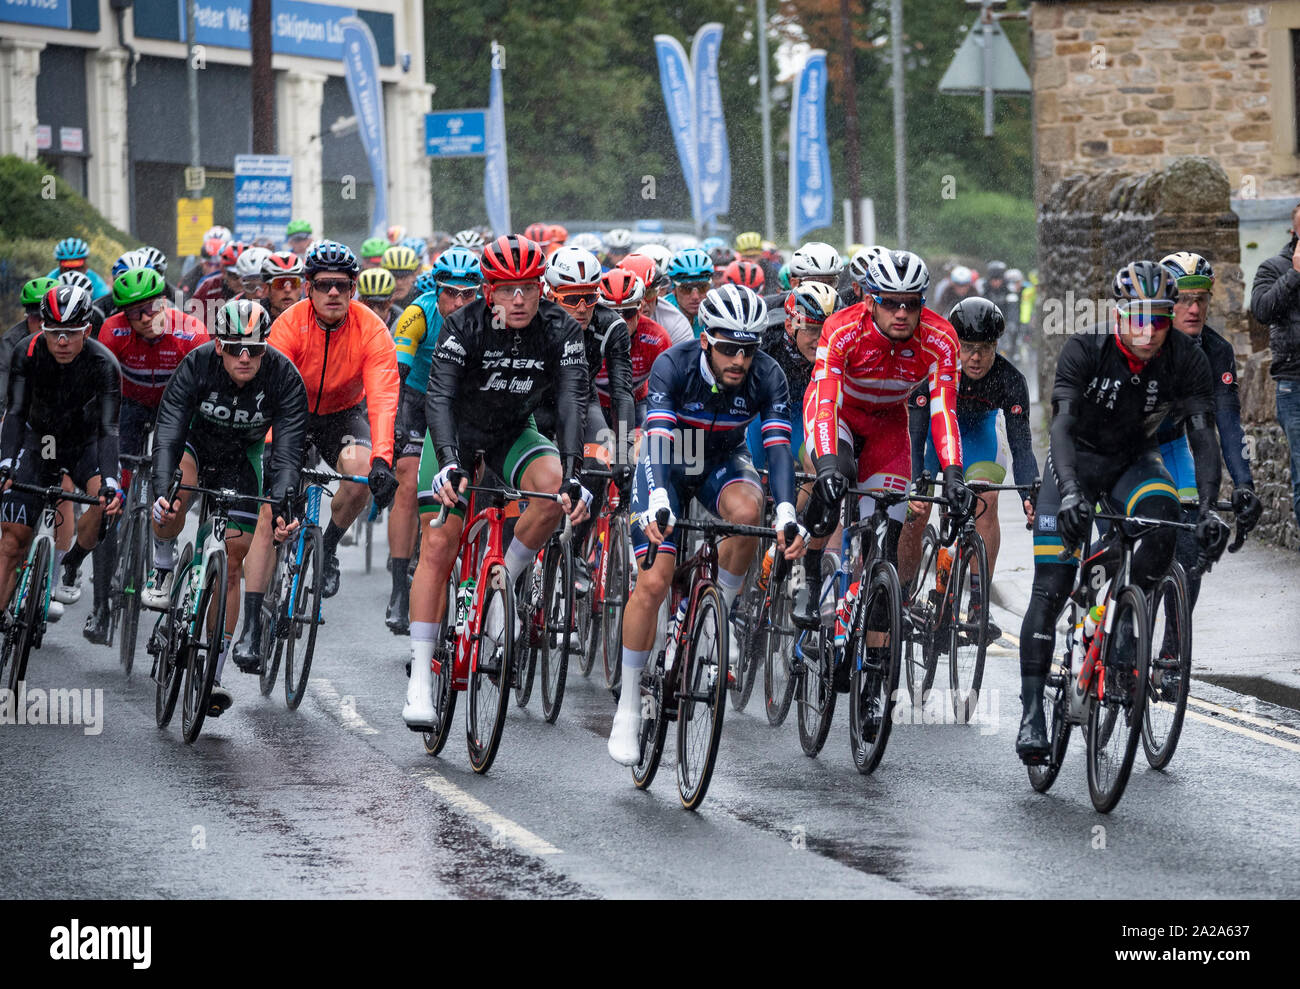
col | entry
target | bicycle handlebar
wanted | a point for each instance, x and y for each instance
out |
(791, 532)
(54, 493)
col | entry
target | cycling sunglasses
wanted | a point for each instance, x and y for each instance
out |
(326, 285)
(58, 332)
(893, 305)
(457, 293)
(1155, 320)
(729, 349)
(291, 282)
(575, 299)
(238, 348)
(629, 315)
(692, 288)
(144, 309)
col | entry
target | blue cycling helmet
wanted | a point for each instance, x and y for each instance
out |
(425, 282)
(330, 255)
(416, 244)
(690, 264)
(710, 244)
(459, 266)
(129, 260)
(71, 249)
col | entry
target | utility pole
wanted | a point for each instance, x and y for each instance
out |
(192, 85)
(900, 120)
(262, 79)
(769, 217)
(852, 160)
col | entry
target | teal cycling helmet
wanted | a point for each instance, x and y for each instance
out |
(424, 283)
(457, 266)
(71, 249)
(690, 264)
(783, 277)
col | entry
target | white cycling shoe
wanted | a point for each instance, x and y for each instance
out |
(419, 712)
(157, 593)
(624, 746)
(68, 591)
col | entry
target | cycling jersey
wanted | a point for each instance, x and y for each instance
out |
(798, 372)
(607, 349)
(222, 421)
(671, 319)
(98, 286)
(1002, 389)
(147, 364)
(685, 399)
(354, 362)
(648, 342)
(486, 381)
(415, 337)
(211, 288)
(860, 373)
(696, 324)
(15, 335)
(64, 407)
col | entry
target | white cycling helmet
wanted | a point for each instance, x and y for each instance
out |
(219, 231)
(1015, 276)
(861, 261)
(587, 241)
(661, 255)
(961, 275)
(815, 258)
(734, 312)
(570, 267)
(619, 239)
(250, 262)
(469, 238)
(898, 271)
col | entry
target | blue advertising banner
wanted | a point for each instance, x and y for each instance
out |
(43, 13)
(676, 80)
(811, 199)
(313, 30)
(712, 156)
(455, 133)
(360, 69)
(496, 170)
(263, 196)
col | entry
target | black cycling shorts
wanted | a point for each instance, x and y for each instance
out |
(44, 463)
(242, 473)
(331, 433)
(408, 440)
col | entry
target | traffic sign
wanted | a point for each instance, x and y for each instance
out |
(193, 217)
(195, 178)
(455, 134)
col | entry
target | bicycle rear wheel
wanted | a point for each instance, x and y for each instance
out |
(920, 651)
(1171, 669)
(167, 639)
(1115, 720)
(131, 564)
(816, 695)
(773, 641)
(654, 723)
(703, 699)
(873, 684)
(31, 612)
(444, 694)
(970, 624)
(619, 579)
(528, 640)
(1056, 704)
(586, 636)
(304, 616)
(746, 626)
(204, 647)
(489, 678)
(275, 619)
(557, 631)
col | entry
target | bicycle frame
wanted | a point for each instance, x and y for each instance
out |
(472, 565)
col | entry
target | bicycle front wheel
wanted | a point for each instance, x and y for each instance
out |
(816, 694)
(703, 698)
(970, 625)
(774, 642)
(1171, 669)
(619, 577)
(1115, 719)
(304, 617)
(131, 561)
(489, 679)
(557, 632)
(31, 612)
(1056, 703)
(586, 635)
(165, 642)
(275, 620)
(444, 694)
(873, 684)
(204, 647)
(926, 601)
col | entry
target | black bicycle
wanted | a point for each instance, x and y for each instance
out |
(132, 565)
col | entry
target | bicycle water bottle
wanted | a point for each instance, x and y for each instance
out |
(844, 613)
(766, 574)
(670, 651)
(943, 570)
(1096, 615)
(464, 594)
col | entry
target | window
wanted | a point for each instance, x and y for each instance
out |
(1295, 81)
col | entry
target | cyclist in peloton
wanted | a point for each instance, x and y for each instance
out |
(814, 261)
(457, 278)
(618, 243)
(149, 337)
(1113, 388)
(691, 274)
(717, 385)
(349, 364)
(989, 384)
(404, 264)
(372, 252)
(32, 294)
(143, 257)
(870, 357)
(283, 273)
(376, 288)
(298, 237)
(623, 292)
(64, 394)
(653, 306)
(212, 424)
(497, 360)
(73, 254)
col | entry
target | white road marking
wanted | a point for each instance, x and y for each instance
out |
(503, 829)
(1248, 732)
(346, 706)
(1249, 719)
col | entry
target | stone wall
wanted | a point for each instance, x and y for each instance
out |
(1270, 456)
(1130, 86)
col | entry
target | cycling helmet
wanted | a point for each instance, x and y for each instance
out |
(376, 283)
(297, 228)
(746, 273)
(750, 242)
(400, 260)
(898, 271)
(1015, 276)
(249, 265)
(416, 244)
(66, 307)
(129, 260)
(621, 289)
(424, 282)
(556, 234)
(815, 258)
(137, 285)
(690, 264)
(219, 232)
(588, 242)
(1190, 271)
(662, 258)
(711, 244)
(572, 267)
(734, 313)
(644, 267)
(71, 249)
(374, 247)
(783, 277)
(813, 302)
(213, 246)
(230, 253)
(961, 275)
(330, 255)
(536, 232)
(470, 239)
(996, 269)
(395, 233)
(513, 259)
(1144, 281)
(35, 290)
(154, 259)
(242, 321)
(282, 264)
(77, 279)
(456, 266)
(618, 239)
(860, 262)
(977, 320)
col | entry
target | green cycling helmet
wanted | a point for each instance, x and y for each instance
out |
(35, 290)
(296, 227)
(137, 285)
(374, 247)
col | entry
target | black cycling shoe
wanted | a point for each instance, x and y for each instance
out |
(806, 613)
(329, 578)
(96, 628)
(247, 652)
(397, 617)
(219, 701)
(840, 678)
(1031, 744)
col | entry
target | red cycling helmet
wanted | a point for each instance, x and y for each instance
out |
(745, 273)
(213, 246)
(513, 259)
(536, 232)
(644, 267)
(621, 289)
(557, 234)
(231, 253)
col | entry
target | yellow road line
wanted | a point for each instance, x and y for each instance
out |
(1250, 719)
(1249, 733)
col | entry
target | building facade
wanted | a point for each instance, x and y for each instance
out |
(97, 89)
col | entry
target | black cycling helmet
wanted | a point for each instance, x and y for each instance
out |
(66, 307)
(977, 320)
(996, 269)
(330, 255)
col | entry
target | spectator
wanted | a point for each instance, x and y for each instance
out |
(1275, 301)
